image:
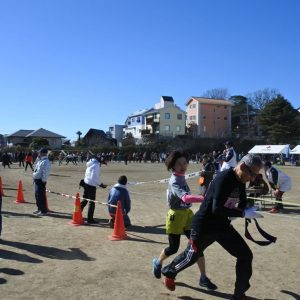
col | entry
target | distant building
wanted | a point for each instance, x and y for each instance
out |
(3, 140)
(165, 119)
(97, 138)
(25, 137)
(117, 132)
(209, 117)
(135, 124)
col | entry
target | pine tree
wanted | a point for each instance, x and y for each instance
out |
(280, 121)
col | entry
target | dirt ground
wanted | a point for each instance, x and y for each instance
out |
(47, 258)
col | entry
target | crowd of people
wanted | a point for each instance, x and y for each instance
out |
(224, 177)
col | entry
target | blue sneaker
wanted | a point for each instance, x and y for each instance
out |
(156, 268)
(205, 282)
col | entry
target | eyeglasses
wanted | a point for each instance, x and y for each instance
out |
(250, 172)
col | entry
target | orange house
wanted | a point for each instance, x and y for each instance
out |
(208, 117)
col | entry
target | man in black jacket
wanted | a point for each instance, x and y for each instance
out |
(225, 198)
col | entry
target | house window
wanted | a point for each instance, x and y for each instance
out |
(167, 116)
(194, 105)
(191, 106)
(132, 119)
(179, 116)
(178, 128)
(191, 117)
(167, 127)
(138, 119)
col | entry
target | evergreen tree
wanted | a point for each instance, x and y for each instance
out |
(280, 121)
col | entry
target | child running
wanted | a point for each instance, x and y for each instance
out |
(179, 216)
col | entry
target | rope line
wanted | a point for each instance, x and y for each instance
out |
(274, 201)
(74, 197)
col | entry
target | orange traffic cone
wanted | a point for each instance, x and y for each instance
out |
(47, 207)
(119, 228)
(77, 214)
(20, 195)
(1, 188)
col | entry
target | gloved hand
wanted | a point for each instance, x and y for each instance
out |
(103, 185)
(194, 245)
(250, 213)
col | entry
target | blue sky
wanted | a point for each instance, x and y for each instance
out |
(69, 65)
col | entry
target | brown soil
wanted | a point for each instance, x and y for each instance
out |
(47, 258)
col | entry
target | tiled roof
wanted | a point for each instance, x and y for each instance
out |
(209, 101)
(44, 133)
(20, 133)
(35, 133)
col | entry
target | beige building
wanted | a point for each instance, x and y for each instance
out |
(165, 119)
(209, 117)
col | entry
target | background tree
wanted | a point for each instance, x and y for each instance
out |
(38, 143)
(128, 140)
(192, 129)
(79, 133)
(240, 107)
(280, 121)
(217, 93)
(261, 98)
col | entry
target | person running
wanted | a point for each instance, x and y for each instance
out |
(279, 182)
(28, 161)
(225, 198)
(179, 216)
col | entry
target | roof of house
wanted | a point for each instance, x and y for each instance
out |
(35, 133)
(167, 98)
(44, 133)
(20, 133)
(209, 101)
(139, 112)
(96, 132)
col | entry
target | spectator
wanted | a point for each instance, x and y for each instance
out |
(279, 182)
(40, 176)
(119, 192)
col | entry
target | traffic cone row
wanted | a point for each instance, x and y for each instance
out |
(77, 220)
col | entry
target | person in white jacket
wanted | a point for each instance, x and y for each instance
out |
(229, 157)
(279, 182)
(90, 183)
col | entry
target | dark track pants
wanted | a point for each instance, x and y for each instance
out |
(89, 193)
(232, 242)
(40, 195)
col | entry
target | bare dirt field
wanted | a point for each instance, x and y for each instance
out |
(47, 258)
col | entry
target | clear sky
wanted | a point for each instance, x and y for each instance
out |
(69, 65)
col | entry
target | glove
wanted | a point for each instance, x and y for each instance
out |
(250, 213)
(103, 185)
(194, 245)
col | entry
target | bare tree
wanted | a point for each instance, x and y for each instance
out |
(260, 98)
(217, 93)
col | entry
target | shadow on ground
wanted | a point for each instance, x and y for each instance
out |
(10, 255)
(211, 293)
(49, 252)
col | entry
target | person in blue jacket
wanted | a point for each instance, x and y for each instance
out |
(119, 192)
